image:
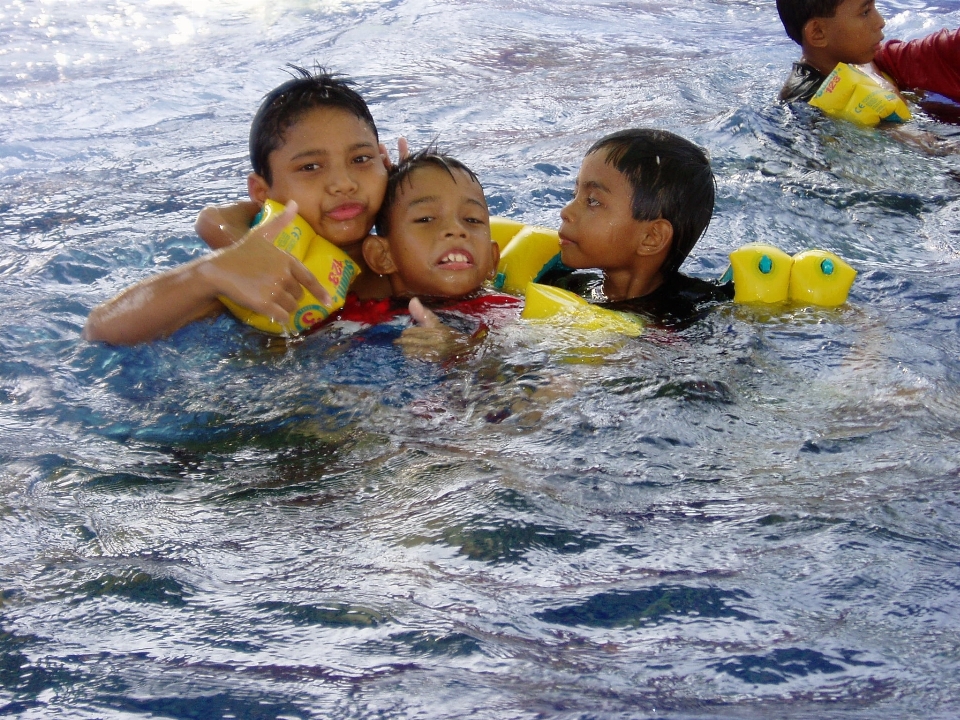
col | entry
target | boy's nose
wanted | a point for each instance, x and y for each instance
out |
(455, 228)
(340, 180)
(565, 212)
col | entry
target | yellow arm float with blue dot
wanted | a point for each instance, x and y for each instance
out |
(851, 94)
(761, 273)
(331, 266)
(819, 277)
(765, 274)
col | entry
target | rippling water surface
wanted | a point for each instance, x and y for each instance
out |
(754, 517)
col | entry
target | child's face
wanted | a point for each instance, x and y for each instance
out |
(439, 240)
(597, 228)
(853, 35)
(330, 164)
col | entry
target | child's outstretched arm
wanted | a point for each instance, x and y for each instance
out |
(253, 273)
(221, 226)
(931, 63)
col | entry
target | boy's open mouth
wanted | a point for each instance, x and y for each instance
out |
(347, 211)
(456, 260)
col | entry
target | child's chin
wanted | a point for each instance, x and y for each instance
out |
(342, 239)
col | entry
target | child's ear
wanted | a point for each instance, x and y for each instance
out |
(495, 251)
(376, 251)
(257, 188)
(814, 33)
(656, 238)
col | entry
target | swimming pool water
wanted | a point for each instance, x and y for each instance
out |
(753, 517)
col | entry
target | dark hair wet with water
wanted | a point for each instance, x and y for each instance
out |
(428, 157)
(285, 105)
(671, 179)
(795, 14)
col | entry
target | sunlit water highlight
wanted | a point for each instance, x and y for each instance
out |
(754, 517)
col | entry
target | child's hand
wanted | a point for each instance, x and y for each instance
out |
(430, 339)
(403, 152)
(220, 226)
(261, 277)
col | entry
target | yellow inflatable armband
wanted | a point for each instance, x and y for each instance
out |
(761, 273)
(764, 273)
(526, 257)
(331, 266)
(503, 230)
(820, 278)
(853, 95)
(544, 302)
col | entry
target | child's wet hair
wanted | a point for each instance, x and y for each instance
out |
(428, 157)
(286, 104)
(795, 14)
(671, 179)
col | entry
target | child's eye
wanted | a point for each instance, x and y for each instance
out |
(474, 220)
(424, 219)
(360, 159)
(310, 167)
(592, 202)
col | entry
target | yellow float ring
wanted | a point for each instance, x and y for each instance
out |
(332, 267)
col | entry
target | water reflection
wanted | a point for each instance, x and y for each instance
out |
(752, 516)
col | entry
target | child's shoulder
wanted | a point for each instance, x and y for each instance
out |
(680, 301)
(802, 83)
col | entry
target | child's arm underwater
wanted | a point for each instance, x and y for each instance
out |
(252, 272)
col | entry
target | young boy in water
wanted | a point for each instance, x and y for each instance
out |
(313, 146)
(642, 200)
(434, 247)
(851, 32)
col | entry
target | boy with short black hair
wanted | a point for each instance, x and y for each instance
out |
(433, 230)
(642, 200)
(433, 245)
(314, 147)
(851, 32)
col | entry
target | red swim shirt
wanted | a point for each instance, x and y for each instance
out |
(931, 63)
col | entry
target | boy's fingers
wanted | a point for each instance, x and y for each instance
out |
(385, 156)
(307, 279)
(403, 149)
(276, 311)
(270, 229)
(422, 316)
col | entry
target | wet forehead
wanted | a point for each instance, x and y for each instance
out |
(597, 174)
(327, 131)
(432, 184)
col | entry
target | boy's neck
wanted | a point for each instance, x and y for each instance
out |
(625, 285)
(823, 61)
(369, 284)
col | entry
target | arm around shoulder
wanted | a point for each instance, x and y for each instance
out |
(220, 226)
